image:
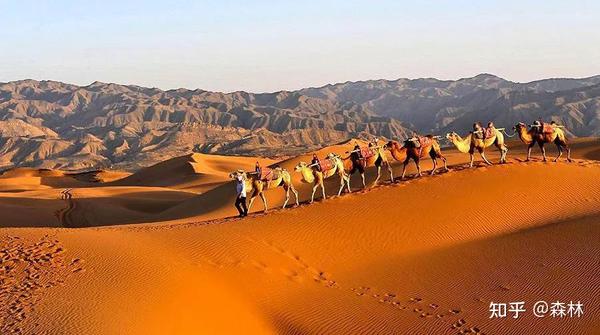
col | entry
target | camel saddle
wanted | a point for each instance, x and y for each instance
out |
(547, 128)
(267, 174)
(326, 164)
(367, 152)
(418, 142)
(425, 141)
(489, 132)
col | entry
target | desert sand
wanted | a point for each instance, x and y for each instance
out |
(160, 251)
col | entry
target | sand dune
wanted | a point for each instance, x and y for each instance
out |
(424, 256)
(195, 172)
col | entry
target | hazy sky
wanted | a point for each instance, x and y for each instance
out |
(271, 45)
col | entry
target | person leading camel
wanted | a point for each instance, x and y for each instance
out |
(240, 198)
(257, 185)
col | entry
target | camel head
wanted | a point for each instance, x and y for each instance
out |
(520, 126)
(389, 145)
(300, 166)
(234, 175)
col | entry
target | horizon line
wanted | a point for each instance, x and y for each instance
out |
(303, 88)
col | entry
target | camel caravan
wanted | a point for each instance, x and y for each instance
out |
(374, 155)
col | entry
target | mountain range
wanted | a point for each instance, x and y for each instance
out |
(50, 124)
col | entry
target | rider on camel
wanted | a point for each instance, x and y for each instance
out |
(257, 168)
(316, 163)
(478, 130)
(415, 140)
(357, 151)
(490, 130)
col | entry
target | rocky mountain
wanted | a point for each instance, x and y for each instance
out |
(56, 125)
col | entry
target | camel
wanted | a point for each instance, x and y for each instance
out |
(257, 186)
(532, 136)
(471, 143)
(312, 175)
(353, 163)
(409, 151)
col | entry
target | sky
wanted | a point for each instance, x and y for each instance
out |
(265, 46)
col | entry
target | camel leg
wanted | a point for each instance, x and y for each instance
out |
(295, 194)
(250, 203)
(404, 168)
(543, 151)
(287, 196)
(264, 199)
(485, 159)
(362, 176)
(389, 166)
(434, 160)
(560, 153)
(323, 190)
(482, 154)
(378, 175)
(503, 151)
(529, 151)
(418, 164)
(472, 159)
(568, 153)
(341, 185)
(254, 194)
(312, 195)
(348, 184)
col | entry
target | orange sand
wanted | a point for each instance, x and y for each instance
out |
(415, 257)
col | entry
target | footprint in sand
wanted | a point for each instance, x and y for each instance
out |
(28, 267)
(261, 266)
(292, 275)
(458, 324)
(415, 300)
(361, 291)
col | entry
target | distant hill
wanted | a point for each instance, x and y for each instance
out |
(56, 125)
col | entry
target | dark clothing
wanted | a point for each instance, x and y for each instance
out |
(413, 142)
(240, 204)
(316, 164)
(479, 133)
(357, 152)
